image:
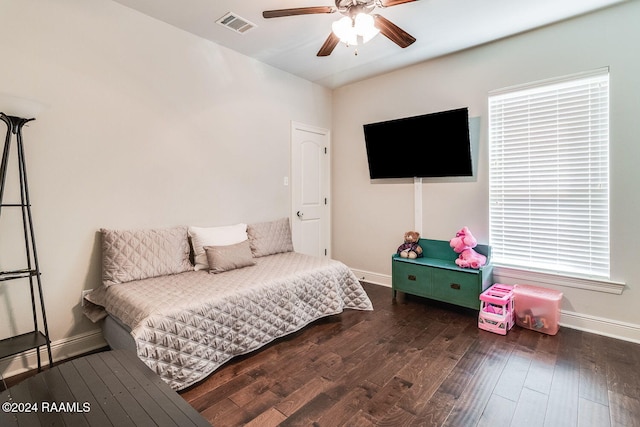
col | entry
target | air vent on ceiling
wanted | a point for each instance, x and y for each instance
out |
(236, 23)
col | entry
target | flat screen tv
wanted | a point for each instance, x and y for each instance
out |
(426, 146)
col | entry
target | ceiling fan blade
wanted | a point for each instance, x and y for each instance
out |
(298, 11)
(389, 3)
(393, 32)
(329, 44)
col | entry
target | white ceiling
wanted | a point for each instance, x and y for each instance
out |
(291, 43)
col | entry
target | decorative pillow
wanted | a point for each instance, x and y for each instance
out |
(139, 254)
(214, 236)
(268, 238)
(229, 257)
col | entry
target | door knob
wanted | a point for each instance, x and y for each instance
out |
(299, 214)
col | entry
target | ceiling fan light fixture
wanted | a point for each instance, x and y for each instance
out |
(351, 30)
(364, 26)
(344, 29)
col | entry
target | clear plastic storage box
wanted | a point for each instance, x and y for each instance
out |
(537, 308)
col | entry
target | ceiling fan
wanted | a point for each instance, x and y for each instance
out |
(358, 22)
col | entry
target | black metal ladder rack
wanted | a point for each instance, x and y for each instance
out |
(39, 336)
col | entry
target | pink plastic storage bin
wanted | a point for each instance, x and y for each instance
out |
(537, 308)
(496, 309)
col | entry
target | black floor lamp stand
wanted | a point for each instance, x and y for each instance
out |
(39, 336)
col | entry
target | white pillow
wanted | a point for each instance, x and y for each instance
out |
(214, 236)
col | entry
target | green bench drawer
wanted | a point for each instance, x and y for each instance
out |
(412, 279)
(455, 287)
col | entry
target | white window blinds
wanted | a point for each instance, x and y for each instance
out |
(549, 175)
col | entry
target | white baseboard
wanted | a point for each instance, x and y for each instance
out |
(583, 322)
(601, 326)
(60, 350)
(371, 277)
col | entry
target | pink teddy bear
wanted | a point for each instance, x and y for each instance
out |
(463, 244)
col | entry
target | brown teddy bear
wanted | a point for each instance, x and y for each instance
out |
(410, 248)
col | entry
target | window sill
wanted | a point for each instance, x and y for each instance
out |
(517, 275)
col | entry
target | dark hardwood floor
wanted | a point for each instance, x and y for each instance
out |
(418, 362)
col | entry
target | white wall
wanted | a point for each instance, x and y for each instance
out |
(384, 211)
(147, 126)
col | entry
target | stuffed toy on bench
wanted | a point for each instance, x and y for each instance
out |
(410, 248)
(463, 244)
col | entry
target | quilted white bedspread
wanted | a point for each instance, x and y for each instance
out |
(187, 325)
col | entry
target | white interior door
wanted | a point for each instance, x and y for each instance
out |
(310, 219)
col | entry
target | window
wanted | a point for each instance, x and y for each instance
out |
(549, 175)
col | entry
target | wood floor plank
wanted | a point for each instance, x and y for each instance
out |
(499, 411)
(426, 399)
(298, 362)
(625, 411)
(400, 418)
(58, 387)
(360, 419)
(210, 398)
(224, 413)
(592, 414)
(437, 411)
(123, 395)
(426, 384)
(7, 418)
(304, 368)
(622, 367)
(470, 364)
(294, 401)
(150, 403)
(540, 373)
(255, 399)
(270, 418)
(19, 394)
(434, 361)
(310, 412)
(385, 398)
(562, 407)
(362, 367)
(348, 401)
(103, 409)
(178, 410)
(513, 376)
(40, 393)
(111, 406)
(477, 384)
(593, 372)
(531, 409)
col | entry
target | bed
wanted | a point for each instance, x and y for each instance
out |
(245, 288)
